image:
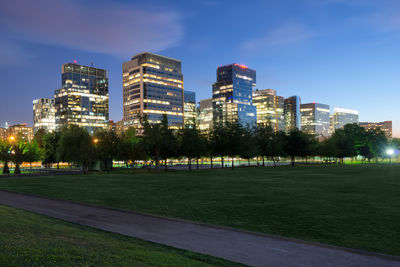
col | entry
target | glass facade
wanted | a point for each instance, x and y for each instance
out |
(341, 117)
(233, 95)
(152, 85)
(44, 115)
(83, 99)
(269, 109)
(292, 114)
(206, 115)
(190, 110)
(385, 126)
(315, 119)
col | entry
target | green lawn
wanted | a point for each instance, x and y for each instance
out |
(354, 206)
(27, 239)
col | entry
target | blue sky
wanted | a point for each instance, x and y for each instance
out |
(344, 53)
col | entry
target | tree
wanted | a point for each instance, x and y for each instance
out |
(152, 139)
(234, 139)
(296, 145)
(248, 145)
(219, 141)
(39, 136)
(76, 145)
(19, 154)
(344, 143)
(191, 144)
(5, 155)
(169, 143)
(50, 141)
(33, 152)
(106, 144)
(264, 138)
(131, 148)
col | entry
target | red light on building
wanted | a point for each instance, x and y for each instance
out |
(241, 66)
(75, 61)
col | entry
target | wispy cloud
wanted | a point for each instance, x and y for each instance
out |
(95, 26)
(13, 54)
(287, 35)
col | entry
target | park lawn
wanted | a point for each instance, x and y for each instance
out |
(355, 206)
(28, 239)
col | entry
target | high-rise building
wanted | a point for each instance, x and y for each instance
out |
(315, 119)
(269, 109)
(385, 126)
(292, 114)
(190, 109)
(206, 115)
(83, 98)
(233, 95)
(44, 115)
(152, 86)
(3, 133)
(21, 131)
(341, 117)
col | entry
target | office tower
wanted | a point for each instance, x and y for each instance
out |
(233, 95)
(315, 119)
(341, 117)
(152, 86)
(189, 107)
(119, 127)
(206, 115)
(269, 109)
(3, 133)
(83, 98)
(385, 126)
(20, 131)
(292, 114)
(44, 115)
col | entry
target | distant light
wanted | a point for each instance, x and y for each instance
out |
(75, 61)
(390, 152)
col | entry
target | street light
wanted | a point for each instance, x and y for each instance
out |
(95, 141)
(12, 138)
(390, 153)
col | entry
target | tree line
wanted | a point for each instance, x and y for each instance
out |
(157, 143)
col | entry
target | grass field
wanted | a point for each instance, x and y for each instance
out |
(354, 206)
(27, 239)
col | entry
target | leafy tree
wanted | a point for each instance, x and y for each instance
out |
(106, 143)
(235, 141)
(249, 148)
(296, 145)
(76, 145)
(169, 142)
(33, 152)
(191, 144)
(39, 136)
(152, 139)
(131, 148)
(5, 155)
(377, 142)
(50, 141)
(19, 154)
(219, 141)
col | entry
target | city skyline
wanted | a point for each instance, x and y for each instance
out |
(359, 73)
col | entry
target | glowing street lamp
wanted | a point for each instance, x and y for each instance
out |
(95, 141)
(12, 138)
(390, 152)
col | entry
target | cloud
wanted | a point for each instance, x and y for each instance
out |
(13, 54)
(286, 35)
(92, 26)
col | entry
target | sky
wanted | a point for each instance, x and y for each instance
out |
(344, 53)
